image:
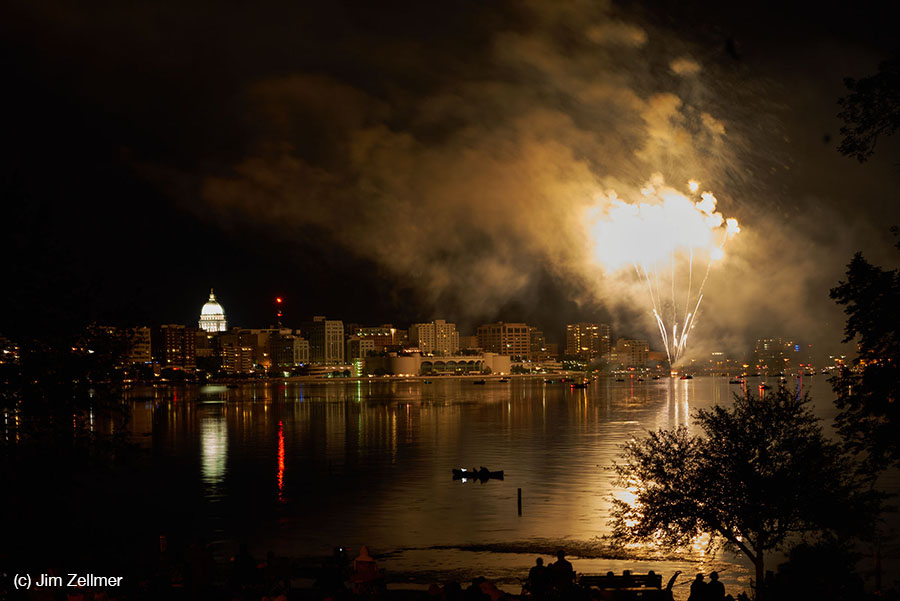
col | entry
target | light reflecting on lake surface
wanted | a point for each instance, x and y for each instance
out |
(300, 468)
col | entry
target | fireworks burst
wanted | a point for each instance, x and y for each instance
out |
(664, 235)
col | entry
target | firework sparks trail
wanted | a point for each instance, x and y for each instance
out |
(662, 235)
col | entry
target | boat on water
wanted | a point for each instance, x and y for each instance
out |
(480, 474)
(578, 385)
(620, 379)
(765, 387)
(482, 381)
(736, 381)
(687, 377)
(504, 380)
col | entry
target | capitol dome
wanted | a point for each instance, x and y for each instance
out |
(212, 315)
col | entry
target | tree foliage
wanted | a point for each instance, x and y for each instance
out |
(868, 396)
(871, 110)
(761, 475)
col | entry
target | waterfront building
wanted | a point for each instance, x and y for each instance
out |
(212, 315)
(769, 355)
(415, 364)
(140, 349)
(435, 338)
(587, 340)
(237, 359)
(288, 350)
(541, 350)
(382, 336)
(630, 352)
(326, 340)
(358, 348)
(469, 343)
(512, 339)
(174, 345)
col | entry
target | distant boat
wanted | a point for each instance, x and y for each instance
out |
(482, 381)
(549, 381)
(578, 385)
(620, 379)
(479, 474)
(765, 387)
(232, 386)
(736, 381)
(687, 377)
(504, 380)
(428, 381)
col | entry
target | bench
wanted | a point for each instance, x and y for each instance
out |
(626, 587)
(618, 581)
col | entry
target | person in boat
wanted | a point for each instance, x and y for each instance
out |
(538, 579)
(698, 589)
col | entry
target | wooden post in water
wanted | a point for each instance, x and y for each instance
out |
(520, 501)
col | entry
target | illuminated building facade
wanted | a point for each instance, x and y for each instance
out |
(435, 338)
(140, 350)
(358, 348)
(212, 315)
(174, 345)
(512, 339)
(326, 340)
(631, 352)
(587, 340)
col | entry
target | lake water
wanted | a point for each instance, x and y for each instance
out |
(302, 467)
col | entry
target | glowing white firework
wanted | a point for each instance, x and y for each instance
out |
(662, 236)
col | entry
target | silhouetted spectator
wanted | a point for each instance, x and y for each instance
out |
(244, 570)
(538, 579)
(563, 574)
(672, 580)
(698, 589)
(715, 590)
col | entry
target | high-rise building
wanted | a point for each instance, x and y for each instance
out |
(435, 338)
(513, 339)
(381, 336)
(358, 348)
(541, 350)
(288, 350)
(631, 352)
(140, 350)
(587, 340)
(212, 315)
(236, 358)
(326, 340)
(174, 345)
(769, 354)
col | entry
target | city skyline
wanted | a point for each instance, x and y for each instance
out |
(159, 180)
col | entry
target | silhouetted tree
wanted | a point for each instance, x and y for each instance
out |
(868, 395)
(761, 475)
(871, 110)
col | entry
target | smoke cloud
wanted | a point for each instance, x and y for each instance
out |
(471, 188)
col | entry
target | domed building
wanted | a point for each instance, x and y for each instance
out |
(212, 315)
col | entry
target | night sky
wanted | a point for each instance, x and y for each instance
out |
(403, 161)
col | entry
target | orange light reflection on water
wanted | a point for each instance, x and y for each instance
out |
(280, 461)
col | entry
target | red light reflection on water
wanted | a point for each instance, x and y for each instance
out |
(280, 461)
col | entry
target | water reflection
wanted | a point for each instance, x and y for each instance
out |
(213, 451)
(301, 467)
